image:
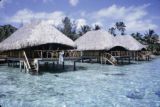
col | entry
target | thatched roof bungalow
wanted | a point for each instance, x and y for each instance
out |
(100, 42)
(36, 34)
(137, 51)
(95, 44)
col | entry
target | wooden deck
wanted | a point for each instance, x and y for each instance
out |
(32, 59)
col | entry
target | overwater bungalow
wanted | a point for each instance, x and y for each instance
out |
(103, 46)
(35, 42)
(99, 45)
(136, 50)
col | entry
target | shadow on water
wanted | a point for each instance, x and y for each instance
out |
(49, 68)
(57, 69)
(4, 64)
(116, 74)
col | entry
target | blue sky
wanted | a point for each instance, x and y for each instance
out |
(138, 15)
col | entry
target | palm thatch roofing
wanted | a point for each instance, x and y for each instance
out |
(129, 42)
(96, 40)
(35, 34)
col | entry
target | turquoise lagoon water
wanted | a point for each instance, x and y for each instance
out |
(92, 85)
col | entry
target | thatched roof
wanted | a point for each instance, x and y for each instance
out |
(35, 34)
(129, 42)
(96, 40)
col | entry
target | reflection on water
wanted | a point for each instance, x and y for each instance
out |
(136, 85)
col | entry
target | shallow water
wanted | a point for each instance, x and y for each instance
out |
(92, 85)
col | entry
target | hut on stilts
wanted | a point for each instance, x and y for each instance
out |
(136, 50)
(99, 45)
(34, 43)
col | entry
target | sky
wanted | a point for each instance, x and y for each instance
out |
(138, 15)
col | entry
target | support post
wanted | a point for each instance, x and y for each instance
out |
(8, 63)
(53, 64)
(41, 54)
(63, 65)
(20, 65)
(101, 59)
(37, 66)
(25, 69)
(74, 68)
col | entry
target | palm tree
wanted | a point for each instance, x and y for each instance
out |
(137, 36)
(69, 28)
(112, 31)
(84, 29)
(97, 27)
(151, 37)
(121, 27)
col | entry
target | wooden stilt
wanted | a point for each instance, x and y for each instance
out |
(101, 59)
(129, 60)
(25, 69)
(37, 66)
(63, 65)
(53, 64)
(8, 63)
(20, 65)
(117, 60)
(74, 68)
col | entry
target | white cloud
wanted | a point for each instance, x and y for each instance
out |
(111, 12)
(27, 15)
(3, 2)
(73, 2)
(140, 25)
(80, 22)
(135, 18)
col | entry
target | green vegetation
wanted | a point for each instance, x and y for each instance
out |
(84, 29)
(68, 28)
(119, 27)
(150, 38)
(6, 31)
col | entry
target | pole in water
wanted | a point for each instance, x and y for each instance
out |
(74, 66)
(20, 65)
(63, 65)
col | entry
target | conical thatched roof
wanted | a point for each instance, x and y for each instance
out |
(34, 34)
(129, 42)
(96, 40)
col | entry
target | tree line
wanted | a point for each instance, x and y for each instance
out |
(69, 28)
(6, 31)
(149, 38)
